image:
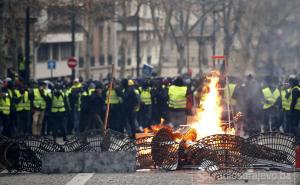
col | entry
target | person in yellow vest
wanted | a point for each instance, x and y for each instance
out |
(145, 112)
(177, 99)
(58, 109)
(5, 111)
(38, 97)
(229, 91)
(295, 105)
(114, 121)
(271, 102)
(23, 108)
(75, 103)
(286, 100)
(130, 105)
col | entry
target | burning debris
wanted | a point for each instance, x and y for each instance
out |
(221, 155)
(208, 142)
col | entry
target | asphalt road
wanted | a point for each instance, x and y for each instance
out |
(183, 177)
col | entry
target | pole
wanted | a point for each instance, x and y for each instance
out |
(73, 41)
(137, 44)
(51, 73)
(228, 98)
(214, 39)
(27, 44)
(108, 97)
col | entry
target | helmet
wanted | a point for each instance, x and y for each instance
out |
(292, 77)
(130, 82)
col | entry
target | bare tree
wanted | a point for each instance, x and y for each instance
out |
(186, 17)
(260, 34)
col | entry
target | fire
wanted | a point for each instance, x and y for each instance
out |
(208, 118)
(209, 115)
(155, 128)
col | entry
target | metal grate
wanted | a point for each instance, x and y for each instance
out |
(144, 150)
(278, 146)
(222, 156)
(164, 150)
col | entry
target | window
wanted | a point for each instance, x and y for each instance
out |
(110, 59)
(119, 62)
(44, 53)
(55, 52)
(66, 50)
(149, 50)
(149, 59)
(129, 51)
(102, 60)
(101, 43)
(108, 40)
(92, 61)
(81, 62)
(129, 61)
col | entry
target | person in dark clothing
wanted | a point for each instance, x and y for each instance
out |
(96, 109)
(253, 109)
(159, 101)
(87, 93)
(130, 105)
(295, 105)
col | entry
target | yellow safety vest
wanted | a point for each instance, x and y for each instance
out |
(22, 64)
(89, 92)
(68, 92)
(286, 102)
(231, 91)
(24, 103)
(297, 106)
(114, 99)
(270, 97)
(58, 104)
(177, 97)
(146, 96)
(38, 101)
(5, 105)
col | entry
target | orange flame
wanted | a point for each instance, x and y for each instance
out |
(209, 115)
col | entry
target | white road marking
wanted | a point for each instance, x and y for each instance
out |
(80, 179)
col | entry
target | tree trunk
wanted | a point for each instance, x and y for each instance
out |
(12, 37)
(161, 58)
(89, 44)
(2, 63)
(181, 61)
(123, 58)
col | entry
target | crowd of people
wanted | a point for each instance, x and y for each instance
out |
(61, 108)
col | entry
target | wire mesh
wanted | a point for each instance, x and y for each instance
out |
(275, 146)
(220, 156)
(144, 150)
(164, 150)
